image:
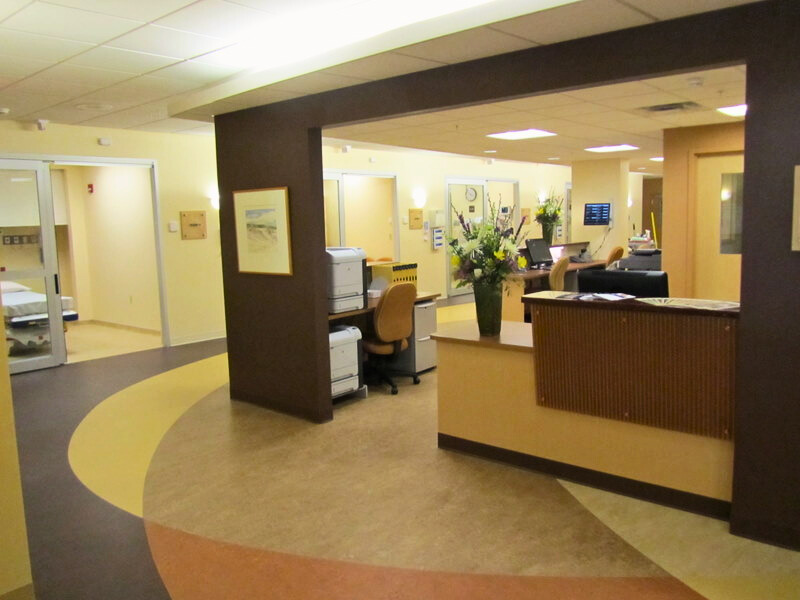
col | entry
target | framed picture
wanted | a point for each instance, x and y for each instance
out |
(263, 241)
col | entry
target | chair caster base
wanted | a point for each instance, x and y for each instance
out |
(416, 380)
(394, 391)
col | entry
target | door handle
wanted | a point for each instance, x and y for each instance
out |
(58, 288)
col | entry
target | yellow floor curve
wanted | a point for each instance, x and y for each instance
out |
(111, 449)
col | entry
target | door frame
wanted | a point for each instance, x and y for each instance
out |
(101, 161)
(49, 268)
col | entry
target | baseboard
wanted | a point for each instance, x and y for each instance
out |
(702, 505)
(200, 337)
(23, 593)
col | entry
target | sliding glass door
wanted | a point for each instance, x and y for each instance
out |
(32, 306)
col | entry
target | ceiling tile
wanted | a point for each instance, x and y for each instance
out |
(679, 8)
(217, 18)
(573, 21)
(535, 103)
(382, 66)
(42, 47)
(138, 115)
(104, 57)
(192, 70)
(83, 76)
(9, 7)
(69, 23)
(617, 90)
(706, 78)
(641, 100)
(314, 83)
(39, 84)
(285, 8)
(167, 42)
(17, 67)
(465, 45)
(599, 118)
(572, 109)
(258, 97)
(143, 89)
(140, 10)
(22, 104)
(69, 114)
(168, 125)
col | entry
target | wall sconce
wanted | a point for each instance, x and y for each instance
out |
(420, 197)
(213, 196)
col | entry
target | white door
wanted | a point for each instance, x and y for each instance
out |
(32, 311)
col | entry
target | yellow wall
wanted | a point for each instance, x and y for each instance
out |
(15, 568)
(605, 180)
(186, 172)
(429, 171)
(635, 225)
(682, 146)
(369, 214)
(119, 249)
(330, 192)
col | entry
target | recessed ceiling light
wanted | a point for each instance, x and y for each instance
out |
(642, 168)
(657, 159)
(739, 110)
(490, 151)
(21, 179)
(523, 134)
(617, 148)
(553, 158)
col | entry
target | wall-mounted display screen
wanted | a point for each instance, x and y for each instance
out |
(597, 214)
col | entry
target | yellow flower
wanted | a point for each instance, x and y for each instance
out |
(500, 254)
(521, 262)
(455, 261)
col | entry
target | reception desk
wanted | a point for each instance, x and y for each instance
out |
(492, 404)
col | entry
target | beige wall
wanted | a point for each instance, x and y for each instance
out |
(15, 568)
(682, 146)
(186, 171)
(330, 192)
(635, 186)
(605, 180)
(429, 171)
(120, 244)
(369, 214)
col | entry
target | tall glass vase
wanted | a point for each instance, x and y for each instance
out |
(547, 232)
(488, 307)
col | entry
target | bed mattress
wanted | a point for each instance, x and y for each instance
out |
(19, 304)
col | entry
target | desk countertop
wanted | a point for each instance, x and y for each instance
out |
(514, 335)
(373, 302)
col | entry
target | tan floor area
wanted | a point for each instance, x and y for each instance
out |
(89, 340)
(372, 487)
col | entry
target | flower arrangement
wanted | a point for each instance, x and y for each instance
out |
(488, 252)
(549, 211)
(548, 215)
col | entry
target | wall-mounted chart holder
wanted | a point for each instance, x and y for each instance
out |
(437, 238)
(193, 225)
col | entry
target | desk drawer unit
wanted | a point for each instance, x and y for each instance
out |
(421, 353)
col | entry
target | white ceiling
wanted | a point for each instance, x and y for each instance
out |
(598, 116)
(123, 63)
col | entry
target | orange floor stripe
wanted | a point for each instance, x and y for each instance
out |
(195, 568)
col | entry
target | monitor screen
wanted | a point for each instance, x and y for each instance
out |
(597, 213)
(539, 251)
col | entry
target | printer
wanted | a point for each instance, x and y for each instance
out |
(345, 347)
(347, 275)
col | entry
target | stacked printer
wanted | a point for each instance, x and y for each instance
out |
(347, 274)
(347, 278)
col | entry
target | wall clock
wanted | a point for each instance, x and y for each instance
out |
(471, 193)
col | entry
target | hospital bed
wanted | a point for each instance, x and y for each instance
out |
(25, 316)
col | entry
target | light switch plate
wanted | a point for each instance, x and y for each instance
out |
(172, 227)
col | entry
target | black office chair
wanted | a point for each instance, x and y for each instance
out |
(393, 324)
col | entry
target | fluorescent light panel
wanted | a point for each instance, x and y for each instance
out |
(739, 110)
(657, 159)
(522, 134)
(617, 148)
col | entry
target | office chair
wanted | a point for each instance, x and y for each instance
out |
(613, 256)
(557, 274)
(392, 324)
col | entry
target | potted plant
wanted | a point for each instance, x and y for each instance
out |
(484, 258)
(548, 215)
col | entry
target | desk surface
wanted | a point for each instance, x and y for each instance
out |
(541, 273)
(514, 335)
(373, 302)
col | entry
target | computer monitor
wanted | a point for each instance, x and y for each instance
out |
(539, 251)
(642, 284)
(597, 213)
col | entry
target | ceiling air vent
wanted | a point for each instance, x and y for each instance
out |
(672, 107)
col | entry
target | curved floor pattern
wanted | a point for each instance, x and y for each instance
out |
(238, 498)
(110, 451)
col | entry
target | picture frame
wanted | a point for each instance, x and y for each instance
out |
(263, 232)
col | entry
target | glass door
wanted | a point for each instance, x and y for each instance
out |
(32, 311)
(468, 198)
